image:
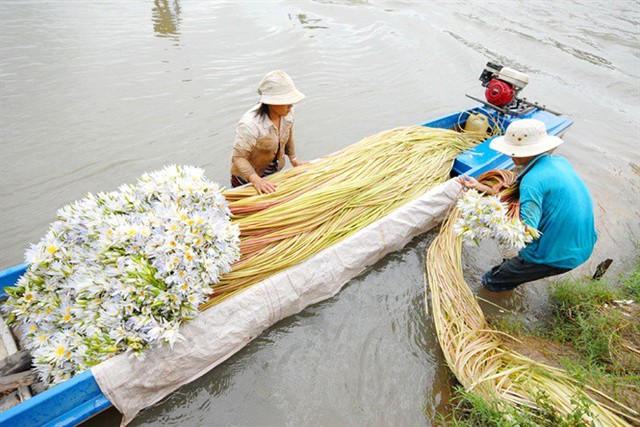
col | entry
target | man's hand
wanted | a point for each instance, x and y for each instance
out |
(262, 185)
(296, 163)
(471, 182)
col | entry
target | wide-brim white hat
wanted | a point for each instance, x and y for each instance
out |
(277, 88)
(525, 138)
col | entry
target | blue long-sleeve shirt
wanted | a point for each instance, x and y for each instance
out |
(555, 201)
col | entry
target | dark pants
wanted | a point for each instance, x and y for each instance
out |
(516, 271)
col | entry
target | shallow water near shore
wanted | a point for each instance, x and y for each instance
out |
(92, 94)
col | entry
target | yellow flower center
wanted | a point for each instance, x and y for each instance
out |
(60, 351)
(52, 249)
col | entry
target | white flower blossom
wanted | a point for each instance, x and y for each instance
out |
(486, 216)
(120, 271)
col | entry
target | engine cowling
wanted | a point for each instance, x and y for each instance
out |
(499, 93)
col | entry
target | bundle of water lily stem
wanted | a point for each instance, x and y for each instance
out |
(319, 204)
(478, 356)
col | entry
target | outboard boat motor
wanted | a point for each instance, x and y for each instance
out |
(503, 86)
(502, 83)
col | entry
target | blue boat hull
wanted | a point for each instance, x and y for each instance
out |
(67, 404)
(78, 399)
(481, 158)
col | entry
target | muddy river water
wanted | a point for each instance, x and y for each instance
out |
(93, 93)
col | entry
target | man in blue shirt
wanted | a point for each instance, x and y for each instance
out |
(553, 200)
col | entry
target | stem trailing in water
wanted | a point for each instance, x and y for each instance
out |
(476, 354)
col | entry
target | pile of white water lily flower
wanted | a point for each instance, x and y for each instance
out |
(486, 216)
(120, 271)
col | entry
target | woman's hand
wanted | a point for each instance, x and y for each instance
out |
(471, 182)
(296, 163)
(262, 185)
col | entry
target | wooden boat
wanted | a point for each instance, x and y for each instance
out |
(80, 398)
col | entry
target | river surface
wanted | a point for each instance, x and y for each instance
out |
(94, 93)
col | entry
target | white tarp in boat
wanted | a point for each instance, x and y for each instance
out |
(219, 332)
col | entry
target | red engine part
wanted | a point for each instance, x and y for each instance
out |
(499, 93)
